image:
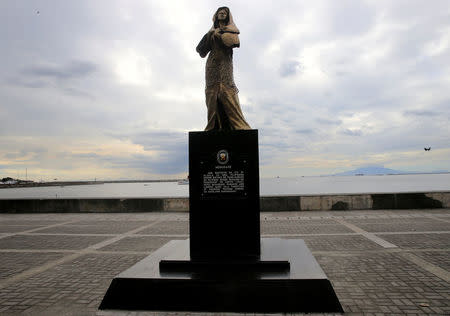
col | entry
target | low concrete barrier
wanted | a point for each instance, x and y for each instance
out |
(331, 202)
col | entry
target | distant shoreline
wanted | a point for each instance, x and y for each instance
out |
(28, 184)
(68, 183)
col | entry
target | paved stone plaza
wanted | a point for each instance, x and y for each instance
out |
(380, 262)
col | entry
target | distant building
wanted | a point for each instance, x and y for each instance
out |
(9, 180)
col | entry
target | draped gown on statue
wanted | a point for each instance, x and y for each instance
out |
(224, 110)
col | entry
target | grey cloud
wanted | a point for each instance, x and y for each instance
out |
(26, 82)
(325, 121)
(275, 144)
(77, 93)
(169, 163)
(304, 131)
(161, 140)
(172, 151)
(420, 113)
(352, 132)
(351, 18)
(165, 164)
(389, 70)
(341, 73)
(14, 155)
(85, 155)
(24, 152)
(74, 69)
(289, 68)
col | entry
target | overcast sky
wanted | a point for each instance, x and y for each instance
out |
(109, 89)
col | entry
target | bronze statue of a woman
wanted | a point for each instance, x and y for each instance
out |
(224, 110)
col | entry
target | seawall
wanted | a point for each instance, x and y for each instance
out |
(331, 202)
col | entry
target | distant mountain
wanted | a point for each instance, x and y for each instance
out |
(374, 170)
(370, 170)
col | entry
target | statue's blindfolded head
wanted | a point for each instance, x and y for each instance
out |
(222, 14)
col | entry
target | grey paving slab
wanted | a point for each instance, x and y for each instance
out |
(385, 283)
(168, 227)
(339, 243)
(16, 228)
(89, 229)
(393, 220)
(406, 227)
(15, 262)
(420, 241)
(37, 222)
(118, 222)
(438, 258)
(298, 220)
(76, 285)
(49, 242)
(138, 243)
(369, 279)
(300, 227)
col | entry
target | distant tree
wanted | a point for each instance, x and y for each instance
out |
(7, 179)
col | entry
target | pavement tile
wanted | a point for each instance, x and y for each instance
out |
(393, 220)
(49, 242)
(92, 273)
(138, 243)
(36, 222)
(168, 228)
(368, 279)
(12, 263)
(298, 220)
(339, 243)
(16, 228)
(89, 229)
(118, 222)
(438, 258)
(419, 241)
(389, 273)
(300, 227)
(405, 227)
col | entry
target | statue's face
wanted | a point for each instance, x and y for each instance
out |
(222, 15)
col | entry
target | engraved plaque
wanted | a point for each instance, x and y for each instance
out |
(223, 175)
(224, 182)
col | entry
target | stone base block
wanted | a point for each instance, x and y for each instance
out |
(302, 288)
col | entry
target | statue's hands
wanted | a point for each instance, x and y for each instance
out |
(218, 32)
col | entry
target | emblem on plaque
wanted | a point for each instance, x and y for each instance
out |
(223, 157)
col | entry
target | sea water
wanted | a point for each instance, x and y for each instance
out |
(268, 187)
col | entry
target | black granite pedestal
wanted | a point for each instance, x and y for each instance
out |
(225, 266)
(302, 288)
(224, 195)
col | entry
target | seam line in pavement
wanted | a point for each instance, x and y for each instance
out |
(121, 236)
(414, 232)
(372, 237)
(48, 265)
(439, 219)
(327, 252)
(309, 235)
(437, 271)
(262, 235)
(273, 217)
(38, 250)
(38, 228)
(66, 234)
(364, 252)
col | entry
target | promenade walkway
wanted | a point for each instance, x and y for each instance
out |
(380, 262)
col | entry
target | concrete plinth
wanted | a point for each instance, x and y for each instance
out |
(302, 288)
